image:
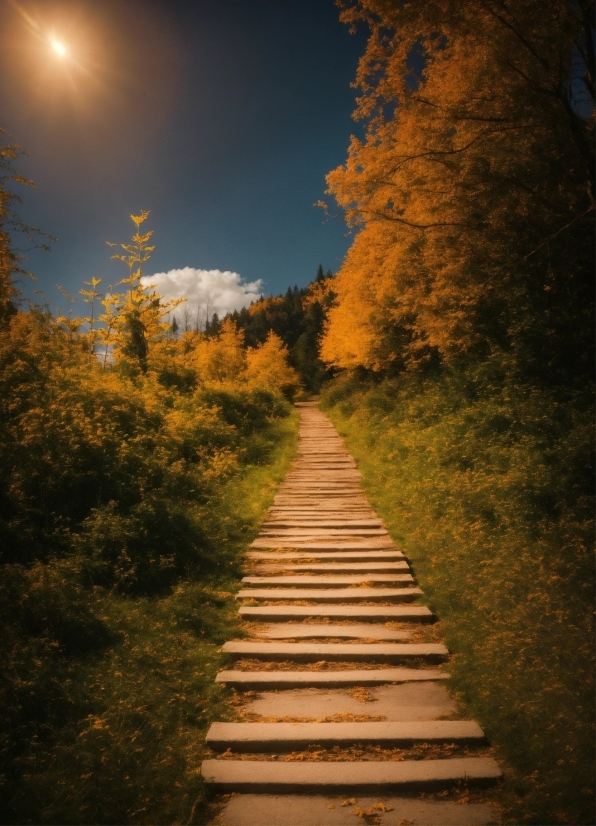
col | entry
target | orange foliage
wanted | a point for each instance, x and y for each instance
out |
(268, 368)
(463, 176)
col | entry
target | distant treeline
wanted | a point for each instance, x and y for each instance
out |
(297, 317)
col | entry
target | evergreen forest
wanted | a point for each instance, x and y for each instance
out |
(454, 352)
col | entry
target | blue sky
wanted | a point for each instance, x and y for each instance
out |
(222, 117)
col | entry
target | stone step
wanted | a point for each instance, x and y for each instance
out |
(309, 514)
(332, 483)
(314, 522)
(333, 595)
(343, 498)
(279, 680)
(340, 567)
(396, 702)
(361, 557)
(336, 451)
(336, 651)
(320, 488)
(354, 777)
(362, 613)
(306, 504)
(302, 533)
(325, 810)
(339, 461)
(322, 504)
(372, 544)
(295, 630)
(330, 480)
(317, 478)
(317, 450)
(336, 472)
(327, 581)
(315, 499)
(352, 494)
(333, 477)
(332, 445)
(280, 737)
(331, 463)
(298, 512)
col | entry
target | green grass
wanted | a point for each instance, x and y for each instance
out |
(489, 496)
(126, 737)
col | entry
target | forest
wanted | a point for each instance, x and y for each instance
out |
(454, 352)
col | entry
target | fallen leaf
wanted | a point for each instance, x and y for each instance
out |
(380, 806)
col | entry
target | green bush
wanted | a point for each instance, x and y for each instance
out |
(487, 485)
(246, 410)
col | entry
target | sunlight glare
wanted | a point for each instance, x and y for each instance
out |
(59, 48)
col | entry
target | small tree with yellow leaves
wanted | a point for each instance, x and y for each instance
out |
(222, 359)
(137, 314)
(268, 368)
(90, 297)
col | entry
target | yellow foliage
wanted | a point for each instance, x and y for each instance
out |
(221, 359)
(459, 180)
(271, 301)
(318, 293)
(268, 368)
(133, 321)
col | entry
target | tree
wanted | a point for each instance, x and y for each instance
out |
(134, 319)
(297, 318)
(11, 223)
(472, 188)
(221, 358)
(268, 368)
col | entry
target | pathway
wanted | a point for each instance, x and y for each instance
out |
(346, 716)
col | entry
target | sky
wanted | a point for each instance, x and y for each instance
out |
(221, 117)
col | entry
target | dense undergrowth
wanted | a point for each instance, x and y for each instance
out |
(487, 486)
(107, 694)
(128, 490)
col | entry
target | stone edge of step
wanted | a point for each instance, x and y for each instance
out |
(356, 776)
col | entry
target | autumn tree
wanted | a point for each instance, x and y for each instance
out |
(268, 368)
(472, 188)
(12, 224)
(297, 318)
(221, 359)
(135, 318)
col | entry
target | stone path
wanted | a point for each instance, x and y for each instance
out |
(346, 716)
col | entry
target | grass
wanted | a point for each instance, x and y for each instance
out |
(488, 495)
(126, 739)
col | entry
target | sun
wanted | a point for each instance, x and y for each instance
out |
(58, 47)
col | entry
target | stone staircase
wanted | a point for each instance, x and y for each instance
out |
(348, 721)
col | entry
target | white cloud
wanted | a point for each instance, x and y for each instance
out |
(220, 292)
